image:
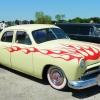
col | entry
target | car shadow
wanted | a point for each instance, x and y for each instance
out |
(42, 81)
(84, 93)
(80, 94)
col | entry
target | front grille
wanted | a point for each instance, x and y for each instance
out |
(92, 70)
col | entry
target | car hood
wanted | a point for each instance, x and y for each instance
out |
(71, 49)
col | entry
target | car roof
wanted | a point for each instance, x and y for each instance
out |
(79, 24)
(31, 27)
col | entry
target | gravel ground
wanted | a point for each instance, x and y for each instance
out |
(18, 86)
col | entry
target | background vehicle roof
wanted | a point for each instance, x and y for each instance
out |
(31, 27)
(80, 24)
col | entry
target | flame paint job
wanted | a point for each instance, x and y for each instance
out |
(66, 52)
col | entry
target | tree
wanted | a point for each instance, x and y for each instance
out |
(39, 15)
(70, 20)
(17, 22)
(31, 22)
(60, 18)
(24, 21)
(42, 19)
(95, 19)
(85, 20)
(77, 20)
(9, 23)
(13, 23)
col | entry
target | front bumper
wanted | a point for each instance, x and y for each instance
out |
(85, 82)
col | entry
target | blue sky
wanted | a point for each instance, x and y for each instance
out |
(11, 10)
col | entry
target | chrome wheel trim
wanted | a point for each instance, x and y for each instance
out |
(56, 78)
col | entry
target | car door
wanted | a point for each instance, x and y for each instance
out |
(22, 57)
(5, 48)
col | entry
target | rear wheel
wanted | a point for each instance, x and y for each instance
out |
(57, 78)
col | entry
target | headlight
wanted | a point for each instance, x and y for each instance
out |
(82, 63)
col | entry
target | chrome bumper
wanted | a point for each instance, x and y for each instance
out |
(87, 81)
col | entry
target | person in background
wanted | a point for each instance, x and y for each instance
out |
(3, 25)
(91, 21)
(0, 27)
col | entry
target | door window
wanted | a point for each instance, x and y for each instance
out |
(23, 38)
(7, 36)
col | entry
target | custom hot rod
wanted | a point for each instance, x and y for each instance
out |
(42, 50)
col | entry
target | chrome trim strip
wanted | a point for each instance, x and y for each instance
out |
(91, 72)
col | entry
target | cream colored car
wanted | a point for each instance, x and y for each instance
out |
(45, 51)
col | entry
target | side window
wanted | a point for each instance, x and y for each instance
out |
(84, 30)
(23, 38)
(7, 36)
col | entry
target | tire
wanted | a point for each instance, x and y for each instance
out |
(57, 78)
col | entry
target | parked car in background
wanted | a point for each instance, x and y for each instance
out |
(45, 51)
(89, 32)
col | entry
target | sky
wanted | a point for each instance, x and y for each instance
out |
(10, 10)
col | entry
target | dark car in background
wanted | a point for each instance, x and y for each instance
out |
(89, 32)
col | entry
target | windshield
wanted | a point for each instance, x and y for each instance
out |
(48, 34)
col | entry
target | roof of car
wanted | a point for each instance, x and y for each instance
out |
(81, 24)
(31, 27)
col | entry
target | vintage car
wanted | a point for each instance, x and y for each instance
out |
(45, 51)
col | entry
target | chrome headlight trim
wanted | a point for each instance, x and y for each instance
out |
(82, 63)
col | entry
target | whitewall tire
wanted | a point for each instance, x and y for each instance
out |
(57, 78)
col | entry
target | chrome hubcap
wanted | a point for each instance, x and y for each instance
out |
(56, 77)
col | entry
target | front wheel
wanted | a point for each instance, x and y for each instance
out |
(57, 78)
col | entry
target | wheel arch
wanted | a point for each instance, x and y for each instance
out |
(44, 73)
(46, 67)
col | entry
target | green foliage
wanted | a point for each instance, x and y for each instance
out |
(24, 21)
(31, 22)
(79, 20)
(9, 23)
(60, 18)
(86, 20)
(17, 22)
(95, 19)
(42, 19)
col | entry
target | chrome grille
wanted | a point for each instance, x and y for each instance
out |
(92, 70)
